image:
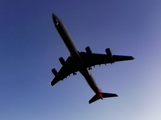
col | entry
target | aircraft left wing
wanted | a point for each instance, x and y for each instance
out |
(68, 68)
(98, 59)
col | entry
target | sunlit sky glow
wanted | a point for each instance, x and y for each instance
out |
(30, 47)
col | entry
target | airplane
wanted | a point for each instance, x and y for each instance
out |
(82, 62)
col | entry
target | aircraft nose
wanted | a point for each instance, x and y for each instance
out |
(55, 19)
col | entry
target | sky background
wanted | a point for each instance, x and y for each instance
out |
(30, 47)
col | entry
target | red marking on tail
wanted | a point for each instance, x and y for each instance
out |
(99, 93)
(101, 96)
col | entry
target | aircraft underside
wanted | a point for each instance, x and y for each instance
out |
(82, 62)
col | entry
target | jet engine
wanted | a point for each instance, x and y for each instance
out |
(109, 54)
(62, 61)
(54, 72)
(88, 50)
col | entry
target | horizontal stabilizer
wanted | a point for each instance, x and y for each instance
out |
(104, 95)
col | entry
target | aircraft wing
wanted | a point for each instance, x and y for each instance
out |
(98, 59)
(68, 68)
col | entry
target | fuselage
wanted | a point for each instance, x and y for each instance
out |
(74, 53)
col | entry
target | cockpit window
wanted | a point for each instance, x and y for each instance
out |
(56, 21)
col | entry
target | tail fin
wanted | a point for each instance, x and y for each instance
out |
(104, 95)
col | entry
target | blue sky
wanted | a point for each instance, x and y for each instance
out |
(30, 47)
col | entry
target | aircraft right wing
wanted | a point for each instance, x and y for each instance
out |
(98, 59)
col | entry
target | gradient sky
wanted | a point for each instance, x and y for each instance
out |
(30, 47)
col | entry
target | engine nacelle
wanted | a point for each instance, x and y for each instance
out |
(62, 61)
(109, 54)
(54, 72)
(88, 50)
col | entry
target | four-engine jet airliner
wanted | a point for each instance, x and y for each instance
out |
(82, 62)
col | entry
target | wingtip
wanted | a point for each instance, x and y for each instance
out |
(51, 84)
(116, 95)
